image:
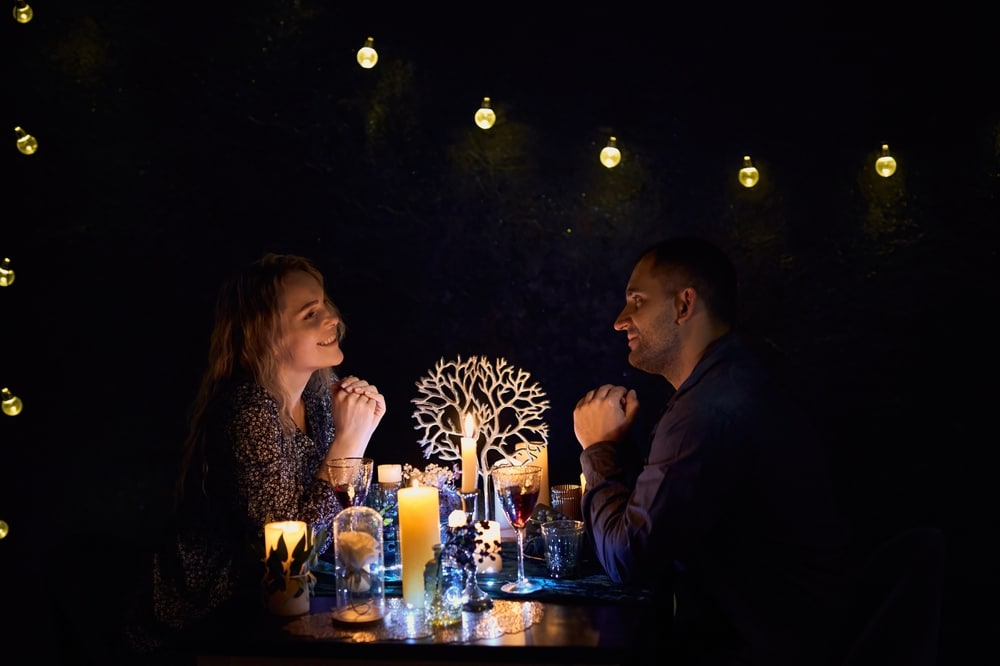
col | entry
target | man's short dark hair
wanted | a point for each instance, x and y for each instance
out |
(706, 267)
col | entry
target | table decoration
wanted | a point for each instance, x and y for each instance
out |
(465, 542)
(357, 540)
(384, 500)
(505, 406)
(287, 578)
(444, 588)
(419, 530)
(440, 477)
(399, 623)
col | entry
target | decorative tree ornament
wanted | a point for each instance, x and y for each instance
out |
(507, 406)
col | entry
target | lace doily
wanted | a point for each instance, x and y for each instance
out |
(400, 623)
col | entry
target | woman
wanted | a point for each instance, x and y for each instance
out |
(269, 412)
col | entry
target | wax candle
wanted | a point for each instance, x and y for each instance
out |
(491, 544)
(293, 531)
(542, 460)
(470, 468)
(390, 473)
(419, 530)
(539, 458)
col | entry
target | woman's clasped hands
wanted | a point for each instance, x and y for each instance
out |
(357, 408)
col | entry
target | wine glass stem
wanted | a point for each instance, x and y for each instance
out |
(520, 555)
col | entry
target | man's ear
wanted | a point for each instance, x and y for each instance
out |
(684, 302)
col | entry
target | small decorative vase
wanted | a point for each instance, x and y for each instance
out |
(385, 501)
(444, 590)
(293, 600)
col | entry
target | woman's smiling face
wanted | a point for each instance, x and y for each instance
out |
(310, 324)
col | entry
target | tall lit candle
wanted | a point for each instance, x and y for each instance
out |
(470, 468)
(389, 473)
(292, 531)
(419, 530)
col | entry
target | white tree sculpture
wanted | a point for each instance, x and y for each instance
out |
(507, 408)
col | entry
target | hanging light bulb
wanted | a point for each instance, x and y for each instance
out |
(4, 529)
(10, 403)
(748, 174)
(367, 55)
(6, 273)
(26, 143)
(22, 11)
(485, 116)
(885, 165)
(610, 155)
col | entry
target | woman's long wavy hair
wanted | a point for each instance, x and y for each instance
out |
(245, 346)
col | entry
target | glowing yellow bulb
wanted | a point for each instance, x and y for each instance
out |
(23, 12)
(10, 403)
(367, 55)
(748, 174)
(885, 165)
(4, 529)
(6, 273)
(485, 117)
(25, 142)
(610, 155)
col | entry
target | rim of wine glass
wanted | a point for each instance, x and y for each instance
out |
(515, 469)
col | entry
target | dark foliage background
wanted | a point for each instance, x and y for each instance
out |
(179, 143)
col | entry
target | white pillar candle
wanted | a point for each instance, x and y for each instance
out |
(292, 531)
(419, 530)
(470, 456)
(491, 539)
(390, 473)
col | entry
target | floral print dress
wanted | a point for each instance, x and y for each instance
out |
(213, 556)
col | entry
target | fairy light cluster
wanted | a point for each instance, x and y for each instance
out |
(11, 404)
(611, 155)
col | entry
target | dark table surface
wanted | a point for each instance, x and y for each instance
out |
(585, 620)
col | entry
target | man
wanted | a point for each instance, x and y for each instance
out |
(731, 515)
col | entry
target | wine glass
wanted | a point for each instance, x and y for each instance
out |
(517, 489)
(350, 478)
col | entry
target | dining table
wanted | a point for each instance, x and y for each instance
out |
(587, 619)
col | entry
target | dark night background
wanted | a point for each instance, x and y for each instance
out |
(178, 142)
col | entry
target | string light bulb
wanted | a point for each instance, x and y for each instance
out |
(885, 165)
(4, 529)
(610, 155)
(748, 175)
(26, 143)
(367, 55)
(6, 273)
(22, 11)
(10, 403)
(485, 116)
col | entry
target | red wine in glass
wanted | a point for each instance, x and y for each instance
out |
(517, 491)
(518, 503)
(344, 492)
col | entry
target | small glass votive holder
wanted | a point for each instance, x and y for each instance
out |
(566, 498)
(359, 565)
(563, 541)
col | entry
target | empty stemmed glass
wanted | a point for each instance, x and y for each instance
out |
(350, 478)
(517, 489)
